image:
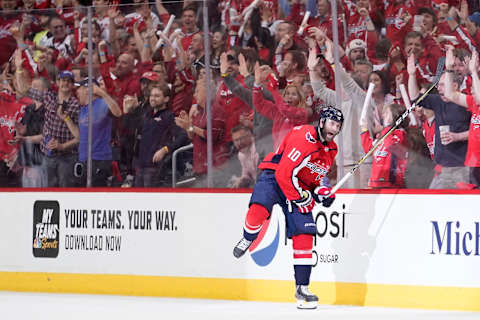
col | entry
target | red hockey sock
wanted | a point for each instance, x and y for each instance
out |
(302, 249)
(256, 215)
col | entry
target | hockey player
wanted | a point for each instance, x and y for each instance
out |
(295, 178)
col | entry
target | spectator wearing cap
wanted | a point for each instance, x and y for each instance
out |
(103, 108)
(160, 137)
(147, 81)
(472, 25)
(58, 143)
(356, 50)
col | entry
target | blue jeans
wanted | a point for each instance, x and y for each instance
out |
(59, 170)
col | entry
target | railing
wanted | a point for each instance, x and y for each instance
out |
(174, 166)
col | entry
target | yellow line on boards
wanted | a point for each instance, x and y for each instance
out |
(342, 293)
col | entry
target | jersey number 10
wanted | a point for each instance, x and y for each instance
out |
(294, 155)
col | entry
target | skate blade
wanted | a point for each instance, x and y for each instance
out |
(302, 304)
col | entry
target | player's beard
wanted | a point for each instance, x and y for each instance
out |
(327, 136)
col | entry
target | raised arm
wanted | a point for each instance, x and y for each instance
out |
(232, 84)
(111, 103)
(450, 93)
(265, 107)
(413, 89)
(319, 88)
(473, 66)
(113, 13)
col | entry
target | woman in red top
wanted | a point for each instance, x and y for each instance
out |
(390, 158)
(288, 111)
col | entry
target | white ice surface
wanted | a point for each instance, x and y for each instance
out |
(39, 306)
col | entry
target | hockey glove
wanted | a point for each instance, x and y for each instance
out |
(321, 195)
(306, 203)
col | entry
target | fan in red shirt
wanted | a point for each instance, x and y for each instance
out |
(390, 159)
(7, 18)
(12, 112)
(126, 81)
(322, 20)
(356, 22)
(189, 26)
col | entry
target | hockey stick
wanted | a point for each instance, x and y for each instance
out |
(440, 66)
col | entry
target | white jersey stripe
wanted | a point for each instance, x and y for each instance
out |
(296, 171)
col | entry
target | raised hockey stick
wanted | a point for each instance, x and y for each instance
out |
(440, 66)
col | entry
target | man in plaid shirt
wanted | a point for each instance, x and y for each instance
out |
(58, 143)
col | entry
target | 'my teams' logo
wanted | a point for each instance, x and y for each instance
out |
(46, 235)
(264, 248)
(449, 239)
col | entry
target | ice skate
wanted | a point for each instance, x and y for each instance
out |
(241, 247)
(305, 299)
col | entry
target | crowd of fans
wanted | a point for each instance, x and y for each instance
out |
(272, 68)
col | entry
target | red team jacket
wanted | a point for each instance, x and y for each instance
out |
(389, 160)
(301, 161)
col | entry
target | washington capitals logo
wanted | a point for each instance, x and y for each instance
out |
(381, 153)
(475, 121)
(320, 170)
(310, 138)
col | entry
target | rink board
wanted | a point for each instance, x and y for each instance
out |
(393, 249)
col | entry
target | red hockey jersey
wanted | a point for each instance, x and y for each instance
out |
(473, 152)
(389, 160)
(301, 161)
